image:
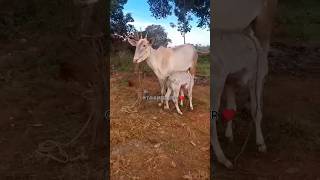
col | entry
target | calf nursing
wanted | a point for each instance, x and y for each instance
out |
(176, 83)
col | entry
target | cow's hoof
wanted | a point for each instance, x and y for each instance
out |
(228, 164)
(262, 148)
(230, 139)
(166, 108)
(229, 136)
(180, 112)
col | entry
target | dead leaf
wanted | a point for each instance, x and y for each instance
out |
(157, 145)
(292, 170)
(187, 176)
(204, 148)
(194, 144)
(173, 164)
(37, 125)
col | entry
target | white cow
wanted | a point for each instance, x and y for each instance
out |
(241, 35)
(178, 82)
(164, 61)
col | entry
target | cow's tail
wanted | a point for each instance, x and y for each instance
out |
(193, 67)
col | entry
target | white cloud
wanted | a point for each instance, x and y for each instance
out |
(195, 36)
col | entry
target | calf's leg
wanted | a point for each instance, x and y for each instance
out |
(231, 104)
(175, 99)
(167, 96)
(181, 94)
(162, 87)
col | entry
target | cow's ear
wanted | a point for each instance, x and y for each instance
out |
(151, 41)
(133, 42)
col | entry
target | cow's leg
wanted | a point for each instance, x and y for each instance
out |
(175, 99)
(167, 96)
(162, 87)
(231, 104)
(256, 111)
(217, 85)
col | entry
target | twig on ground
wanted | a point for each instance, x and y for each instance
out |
(243, 146)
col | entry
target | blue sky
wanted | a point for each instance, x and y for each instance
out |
(142, 16)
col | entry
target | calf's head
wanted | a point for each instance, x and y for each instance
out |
(143, 49)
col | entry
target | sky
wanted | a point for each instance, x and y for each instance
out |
(142, 16)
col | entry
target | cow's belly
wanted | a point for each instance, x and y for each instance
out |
(235, 15)
(240, 78)
(236, 51)
(180, 62)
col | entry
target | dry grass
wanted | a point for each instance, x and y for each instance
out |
(158, 144)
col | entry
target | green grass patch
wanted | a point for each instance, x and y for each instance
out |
(122, 61)
(203, 65)
(300, 19)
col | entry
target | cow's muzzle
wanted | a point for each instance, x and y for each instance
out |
(135, 60)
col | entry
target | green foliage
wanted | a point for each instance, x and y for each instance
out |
(164, 8)
(203, 65)
(182, 9)
(158, 35)
(118, 20)
(301, 19)
(36, 15)
(122, 61)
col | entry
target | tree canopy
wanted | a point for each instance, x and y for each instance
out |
(118, 20)
(182, 9)
(158, 35)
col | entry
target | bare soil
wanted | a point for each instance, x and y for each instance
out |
(37, 104)
(157, 144)
(40, 99)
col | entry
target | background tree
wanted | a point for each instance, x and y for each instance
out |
(182, 10)
(158, 35)
(118, 20)
(164, 8)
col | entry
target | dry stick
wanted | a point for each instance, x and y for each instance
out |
(133, 108)
(243, 147)
(45, 148)
(140, 88)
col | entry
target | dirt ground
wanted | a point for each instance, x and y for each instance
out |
(37, 105)
(157, 144)
(39, 102)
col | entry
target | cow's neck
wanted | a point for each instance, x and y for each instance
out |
(156, 64)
